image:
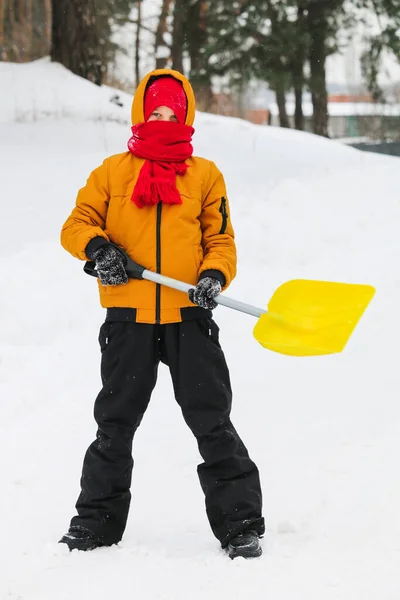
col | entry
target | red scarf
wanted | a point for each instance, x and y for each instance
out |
(165, 146)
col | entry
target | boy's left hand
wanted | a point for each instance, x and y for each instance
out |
(204, 293)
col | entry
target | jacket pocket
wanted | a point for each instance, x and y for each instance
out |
(224, 214)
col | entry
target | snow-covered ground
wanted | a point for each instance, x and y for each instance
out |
(325, 432)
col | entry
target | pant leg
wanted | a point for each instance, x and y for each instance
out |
(129, 373)
(229, 478)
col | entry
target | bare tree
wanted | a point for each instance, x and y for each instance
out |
(75, 40)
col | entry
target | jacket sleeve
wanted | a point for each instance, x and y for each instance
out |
(218, 235)
(87, 220)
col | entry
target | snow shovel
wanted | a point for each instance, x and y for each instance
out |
(304, 317)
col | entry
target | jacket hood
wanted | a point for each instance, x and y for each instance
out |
(138, 100)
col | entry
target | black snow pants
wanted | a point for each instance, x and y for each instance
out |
(131, 353)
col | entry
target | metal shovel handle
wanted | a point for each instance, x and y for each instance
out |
(135, 271)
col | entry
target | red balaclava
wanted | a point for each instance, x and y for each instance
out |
(166, 91)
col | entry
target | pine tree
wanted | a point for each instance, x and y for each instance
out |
(252, 39)
(272, 41)
(387, 40)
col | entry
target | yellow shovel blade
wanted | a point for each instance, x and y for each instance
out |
(308, 318)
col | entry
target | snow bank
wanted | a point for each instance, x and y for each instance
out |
(41, 89)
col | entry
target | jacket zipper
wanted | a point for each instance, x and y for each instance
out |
(158, 261)
(224, 213)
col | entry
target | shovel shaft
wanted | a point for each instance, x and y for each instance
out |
(185, 287)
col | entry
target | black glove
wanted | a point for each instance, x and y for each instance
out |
(204, 293)
(110, 265)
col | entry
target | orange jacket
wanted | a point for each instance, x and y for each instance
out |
(180, 240)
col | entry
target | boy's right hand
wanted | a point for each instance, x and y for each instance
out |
(110, 265)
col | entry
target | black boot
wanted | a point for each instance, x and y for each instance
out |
(80, 538)
(246, 545)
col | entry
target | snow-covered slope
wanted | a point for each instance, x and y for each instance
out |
(41, 89)
(324, 431)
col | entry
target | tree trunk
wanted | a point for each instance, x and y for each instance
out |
(20, 10)
(197, 42)
(298, 67)
(298, 110)
(280, 93)
(28, 28)
(162, 61)
(16, 27)
(41, 29)
(318, 30)
(10, 49)
(47, 22)
(3, 48)
(75, 41)
(137, 42)
(278, 76)
(19, 38)
(178, 35)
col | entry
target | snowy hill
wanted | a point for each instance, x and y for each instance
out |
(324, 431)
